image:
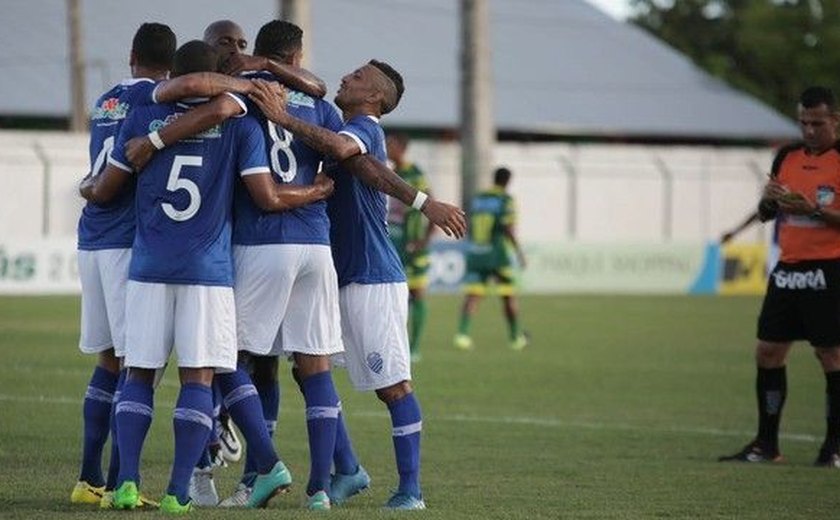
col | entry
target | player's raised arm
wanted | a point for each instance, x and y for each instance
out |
(140, 150)
(296, 78)
(199, 84)
(330, 143)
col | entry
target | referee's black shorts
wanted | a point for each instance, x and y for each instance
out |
(802, 303)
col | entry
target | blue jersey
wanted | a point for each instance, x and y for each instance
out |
(362, 251)
(111, 226)
(185, 197)
(292, 162)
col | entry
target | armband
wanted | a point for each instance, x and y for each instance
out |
(157, 142)
(419, 200)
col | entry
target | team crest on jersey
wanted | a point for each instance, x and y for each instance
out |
(825, 195)
(374, 362)
(211, 133)
(110, 108)
(299, 99)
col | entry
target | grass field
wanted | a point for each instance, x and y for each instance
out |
(617, 410)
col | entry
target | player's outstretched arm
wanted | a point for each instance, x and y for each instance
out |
(140, 150)
(449, 218)
(200, 84)
(269, 195)
(296, 78)
(103, 188)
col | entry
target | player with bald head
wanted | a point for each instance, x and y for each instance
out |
(227, 37)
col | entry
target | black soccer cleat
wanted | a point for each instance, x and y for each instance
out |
(753, 452)
(827, 458)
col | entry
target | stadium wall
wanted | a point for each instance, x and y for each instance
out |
(592, 217)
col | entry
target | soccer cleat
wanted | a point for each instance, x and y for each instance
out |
(404, 502)
(231, 447)
(202, 489)
(170, 505)
(827, 459)
(520, 342)
(239, 498)
(270, 484)
(318, 501)
(344, 486)
(463, 342)
(84, 493)
(144, 502)
(753, 452)
(126, 496)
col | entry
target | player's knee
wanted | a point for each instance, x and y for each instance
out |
(308, 365)
(394, 393)
(109, 361)
(145, 376)
(829, 358)
(771, 355)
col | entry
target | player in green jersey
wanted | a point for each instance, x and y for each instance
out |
(410, 232)
(491, 241)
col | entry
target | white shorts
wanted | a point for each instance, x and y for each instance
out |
(286, 300)
(103, 274)
(198, 320)
(374, 325)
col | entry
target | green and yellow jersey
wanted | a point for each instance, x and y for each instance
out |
(489, 250)
(407, 225)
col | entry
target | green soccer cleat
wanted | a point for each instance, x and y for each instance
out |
(170, 505)
(463, 342)
(143, 502)
(84, 493)
(272, 483)
(126, 496)
(318, 502)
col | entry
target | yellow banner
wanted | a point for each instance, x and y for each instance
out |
(743, 269)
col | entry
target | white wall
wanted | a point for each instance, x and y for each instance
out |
(621, 191)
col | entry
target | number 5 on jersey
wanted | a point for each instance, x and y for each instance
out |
(175, 183)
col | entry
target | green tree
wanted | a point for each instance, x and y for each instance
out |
(770, 48)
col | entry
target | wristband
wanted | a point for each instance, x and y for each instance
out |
(419, 200)
(157, 142)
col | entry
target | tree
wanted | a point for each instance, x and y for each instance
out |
(772, 49)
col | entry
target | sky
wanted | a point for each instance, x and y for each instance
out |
(616, 8)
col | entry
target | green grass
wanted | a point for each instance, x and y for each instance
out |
(617, 410)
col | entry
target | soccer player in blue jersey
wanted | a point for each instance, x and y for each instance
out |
(373, 295)
(180, 282)
(285, 286)
(105, 235)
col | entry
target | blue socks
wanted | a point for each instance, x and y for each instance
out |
(192, 421)
(407, 424)
(322, 409)
(243, 404)
(134, 416)
(97, 418)
(344, 458)
(114, 463)
(269, 394)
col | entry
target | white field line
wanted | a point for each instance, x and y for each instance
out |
(542, 422)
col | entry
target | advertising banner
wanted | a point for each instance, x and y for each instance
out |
(39, 267)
